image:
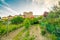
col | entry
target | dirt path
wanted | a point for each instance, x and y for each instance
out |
(11, 35)
(35, 30)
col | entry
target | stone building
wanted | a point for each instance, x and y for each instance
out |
(28, 15)
(4, 18)
(10, 17)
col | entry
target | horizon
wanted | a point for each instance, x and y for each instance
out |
(18, 15)
(16, 7)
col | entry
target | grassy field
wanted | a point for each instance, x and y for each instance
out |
(8, 28)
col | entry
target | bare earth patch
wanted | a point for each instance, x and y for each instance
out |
(35, 30)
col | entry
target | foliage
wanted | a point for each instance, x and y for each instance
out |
(40, 17)
(52, 22)
(3, 28)
(26, 23)
(43, 32)
(51, 37)
(0, 17)
(28, 37)
(34, 21)
(18, 37)
(17, 20)
(1, 22)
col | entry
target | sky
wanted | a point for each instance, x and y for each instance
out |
(16, 7)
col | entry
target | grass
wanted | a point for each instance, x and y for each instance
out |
(25, 35)
(51, 36)
(19, 35)
(28, 36)
(9, 28)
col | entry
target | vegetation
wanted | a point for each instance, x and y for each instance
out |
(26, 23)
(43, 32)
(18, 37)
(52, 22)
(24, 35)
(50, 25)
(0, 17)
(3, 28)
(34, 21)
(28, 37)
(17, 20)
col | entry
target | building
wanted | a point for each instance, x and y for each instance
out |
(25, 15)
(28, 15)
(45, 14)
(7, 18)
(10, 17)
(4, 18)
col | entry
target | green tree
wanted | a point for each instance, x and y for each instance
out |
(0, 17)
(17, 20)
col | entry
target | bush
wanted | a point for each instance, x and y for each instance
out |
(17, 20)
(58, 38)
(11, 27)
(26, 23)
(43, 32)
(50, 28)
(34, 21)
(57, 32)
(52, 22)
(2, 30)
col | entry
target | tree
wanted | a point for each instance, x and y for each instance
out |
(0, 17)
(17, 20)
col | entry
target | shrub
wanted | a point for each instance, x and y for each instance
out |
(57, 32)
(17, 20)
(26, 23)
(52, 22)
(34, 21)
(43, 32)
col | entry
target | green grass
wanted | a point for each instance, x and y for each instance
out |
(19, 35)
(28, 36)
(51, 36)
(11, 27)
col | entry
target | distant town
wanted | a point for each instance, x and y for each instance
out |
(25, 15)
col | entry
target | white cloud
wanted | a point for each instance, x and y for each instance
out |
(6, 6)
(38, 7)
(9, 9)
(3, 1)
(47, 3)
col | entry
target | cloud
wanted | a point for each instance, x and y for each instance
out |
(7, 7)
(46, 2)
(3, 1)
(39, 2)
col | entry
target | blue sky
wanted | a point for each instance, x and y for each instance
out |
(15, 7)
